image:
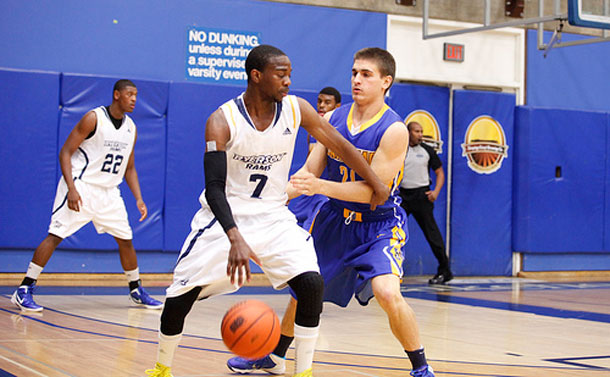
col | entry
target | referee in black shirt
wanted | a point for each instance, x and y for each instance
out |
(418, 199)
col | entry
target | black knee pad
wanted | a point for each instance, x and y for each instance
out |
(309, 289)
(175, 311)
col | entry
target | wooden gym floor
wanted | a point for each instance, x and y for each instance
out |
(533, 326)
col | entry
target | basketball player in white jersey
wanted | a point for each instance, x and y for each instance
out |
(249, 146)
(94, 159)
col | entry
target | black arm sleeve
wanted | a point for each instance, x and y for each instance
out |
(215, 170)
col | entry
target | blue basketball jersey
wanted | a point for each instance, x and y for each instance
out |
(366, 140)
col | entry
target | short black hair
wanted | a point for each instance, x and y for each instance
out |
(259, 56)
(412, 123)
(122, 84)
(332, 92)
(385, 61)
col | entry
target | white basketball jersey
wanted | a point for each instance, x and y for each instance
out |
(102, 159)
(258, 162)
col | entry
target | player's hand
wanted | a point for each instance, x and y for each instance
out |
(239, 257)
(305, 183)
(74, 200)
(431, 196)
(142, 208)
(291, 192)
(381, 193)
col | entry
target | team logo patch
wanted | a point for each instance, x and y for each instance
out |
(485, 145)
(432, 132)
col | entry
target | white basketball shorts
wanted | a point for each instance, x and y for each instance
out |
(284, 249)
(101, 205)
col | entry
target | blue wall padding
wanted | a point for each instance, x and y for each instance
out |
(481, 203)
(139, 40)
(28, 150)
(551, 215)
(566, 262)
(189, 107)
(564, 214)
(607, 196)
(82, 93)
(564, 79)
(405, 98)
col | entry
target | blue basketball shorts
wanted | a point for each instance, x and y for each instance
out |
(351, 253)
(305, 209)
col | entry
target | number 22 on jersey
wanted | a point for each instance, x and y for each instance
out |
(112, 163)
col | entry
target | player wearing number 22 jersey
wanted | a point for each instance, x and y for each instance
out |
(102, 158)
(98, 167)
(94, 160)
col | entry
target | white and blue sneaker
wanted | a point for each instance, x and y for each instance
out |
(271, 364)
(423, 372)
(23, 299)
(140, 297)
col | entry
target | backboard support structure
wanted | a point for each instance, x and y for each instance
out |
(581, 13)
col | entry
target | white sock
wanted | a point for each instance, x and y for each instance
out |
(305, 343)
(133, 275)
(167, 347)
(33, 271)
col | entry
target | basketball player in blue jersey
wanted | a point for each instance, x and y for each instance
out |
(249, 146)
(94, 159)
(359, 249)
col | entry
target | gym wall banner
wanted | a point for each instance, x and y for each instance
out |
(481, 197)
(429, 106)
(218, 56)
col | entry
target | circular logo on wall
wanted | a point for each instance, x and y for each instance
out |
(484, 145)
(432, 133)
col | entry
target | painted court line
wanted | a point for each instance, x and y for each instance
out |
(576, 366)
(34, 360)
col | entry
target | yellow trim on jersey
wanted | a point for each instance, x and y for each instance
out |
(294, 115)
(231, 112)
(368, 123)
(397, 179)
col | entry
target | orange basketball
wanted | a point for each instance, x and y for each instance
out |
(250, 329)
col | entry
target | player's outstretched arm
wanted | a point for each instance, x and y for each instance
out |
(79, 133)
(131, 177)
(387, 162)
(217, 136)
(326, 134)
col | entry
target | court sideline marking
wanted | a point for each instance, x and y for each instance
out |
(579, 368)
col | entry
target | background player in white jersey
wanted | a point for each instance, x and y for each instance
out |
(94, 159)
(249, 147)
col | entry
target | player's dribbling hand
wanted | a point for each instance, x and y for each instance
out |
(239, 257)
(142, 208)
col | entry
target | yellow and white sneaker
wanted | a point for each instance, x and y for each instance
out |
(307, 373)
(159, 371)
